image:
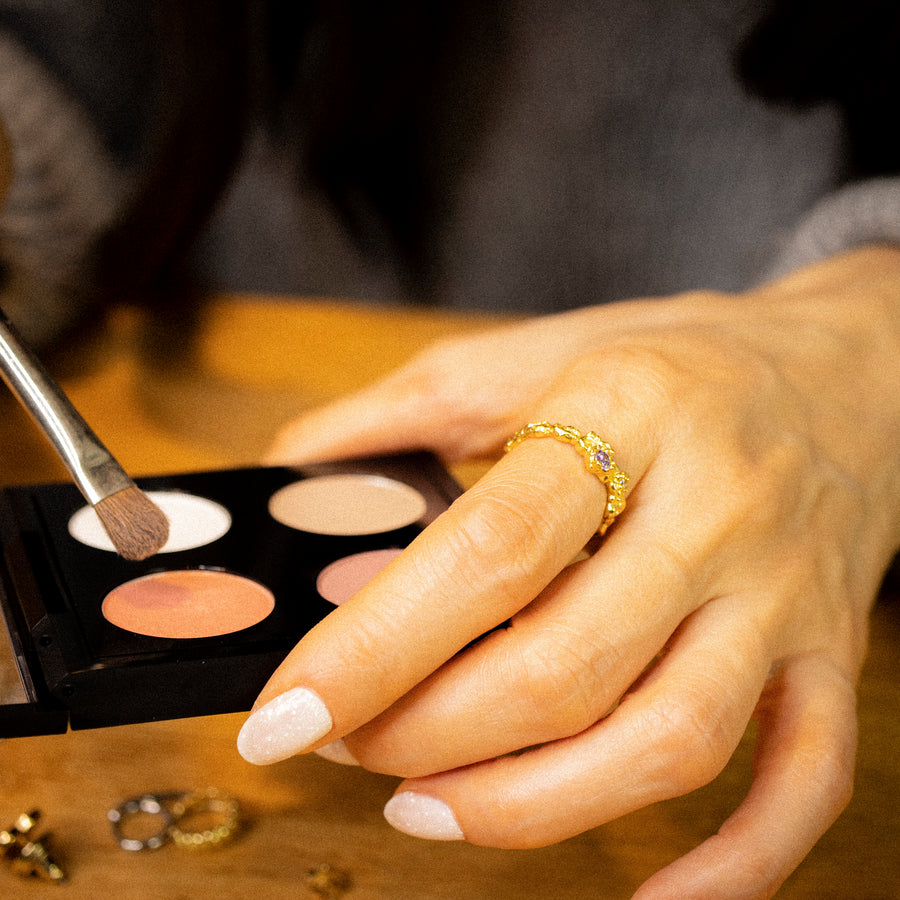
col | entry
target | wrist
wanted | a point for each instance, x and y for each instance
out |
(845, 312)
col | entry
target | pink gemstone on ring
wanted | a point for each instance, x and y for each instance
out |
(602, 458)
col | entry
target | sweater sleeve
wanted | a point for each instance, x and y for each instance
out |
(65, 192)
(864, 212)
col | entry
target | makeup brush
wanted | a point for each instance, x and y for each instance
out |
(135, 525)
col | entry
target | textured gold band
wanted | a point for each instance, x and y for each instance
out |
(599, 459)
(223, 808)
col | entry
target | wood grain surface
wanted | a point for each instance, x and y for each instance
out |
(212, 399)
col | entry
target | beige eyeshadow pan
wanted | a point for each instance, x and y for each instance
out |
(347, 504)
(188, 603)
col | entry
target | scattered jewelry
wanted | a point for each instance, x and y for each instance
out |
(176, 817)
(328, 882)
(185, 818)
(199, 819)
(26, 853)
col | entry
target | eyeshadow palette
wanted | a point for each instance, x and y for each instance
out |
(254, 559)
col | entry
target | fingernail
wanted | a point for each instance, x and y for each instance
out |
(422, 816)
(284, 726)
(337, 752)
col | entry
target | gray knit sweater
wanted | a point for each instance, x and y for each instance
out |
(625, 160)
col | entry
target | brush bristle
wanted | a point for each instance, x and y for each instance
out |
(137, 527)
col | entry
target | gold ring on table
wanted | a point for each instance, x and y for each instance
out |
(223, 808)
(599, 460)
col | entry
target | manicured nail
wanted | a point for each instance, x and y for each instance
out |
(422, 816)
(337, 752)
(284, 726)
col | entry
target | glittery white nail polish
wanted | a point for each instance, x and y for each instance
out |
(422, 816)
(284, 726)
(337, 752)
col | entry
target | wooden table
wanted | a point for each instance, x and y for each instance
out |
(252, 364)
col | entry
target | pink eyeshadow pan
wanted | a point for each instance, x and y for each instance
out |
(338, 582)
(190, 603)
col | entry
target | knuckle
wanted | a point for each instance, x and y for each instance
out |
(428, 381)
(773, 477)
(440, 357)
(690, 741)
(828, 753)
(448, 368)
(835, 774)
(517, 535)
(634, 373)
(443, 388)
(562, 691)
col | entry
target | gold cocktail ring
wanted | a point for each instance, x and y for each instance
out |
(222, 810)
(599, 460)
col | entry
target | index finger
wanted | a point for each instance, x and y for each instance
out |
(480, 562)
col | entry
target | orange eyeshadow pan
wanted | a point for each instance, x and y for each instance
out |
(188, 604)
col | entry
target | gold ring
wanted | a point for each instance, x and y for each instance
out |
(224, 810)
(599, 460)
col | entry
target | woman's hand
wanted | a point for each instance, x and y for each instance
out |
(761, 435)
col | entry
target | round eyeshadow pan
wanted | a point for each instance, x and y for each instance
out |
(351, 504)
(188, 603)
(193, 522)
(340, 580)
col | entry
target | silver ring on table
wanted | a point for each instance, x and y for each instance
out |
(146, 804)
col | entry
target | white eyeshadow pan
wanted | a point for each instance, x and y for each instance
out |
(349, 504)
(193, 522)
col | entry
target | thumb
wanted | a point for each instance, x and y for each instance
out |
(458, 399)
(372, 421)
(397, 414)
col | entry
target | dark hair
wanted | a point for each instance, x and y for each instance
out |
(364, 97)
(201, 103)
(359, 94)
(382, 105)
(806, 52)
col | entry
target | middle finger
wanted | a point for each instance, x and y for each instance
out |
(560, 666)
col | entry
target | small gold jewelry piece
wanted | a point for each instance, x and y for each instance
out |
(599, 459)
(328, 882)
(27, 855)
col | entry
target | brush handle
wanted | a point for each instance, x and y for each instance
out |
(91, 465)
